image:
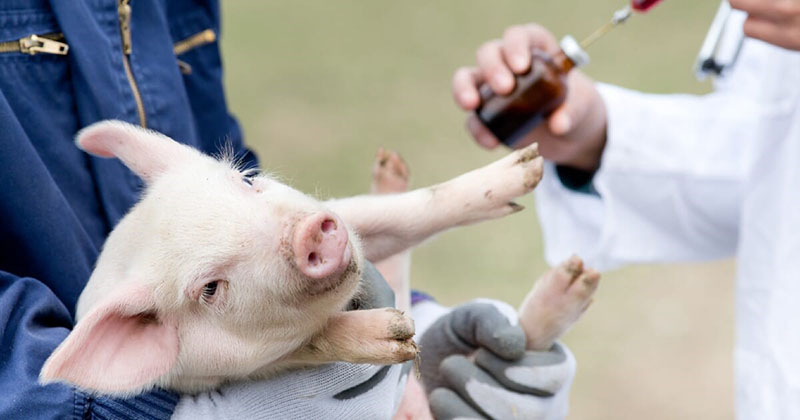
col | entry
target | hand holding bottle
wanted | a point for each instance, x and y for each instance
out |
(776, 22)
(573, 135)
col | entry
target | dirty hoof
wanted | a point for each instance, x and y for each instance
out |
(556, 302)
(401, 330)
(389, 174)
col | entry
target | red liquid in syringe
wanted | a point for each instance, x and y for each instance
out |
(643, 5)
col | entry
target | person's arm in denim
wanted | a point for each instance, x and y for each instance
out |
(34, 322)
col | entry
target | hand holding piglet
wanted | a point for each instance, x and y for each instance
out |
(477, 362)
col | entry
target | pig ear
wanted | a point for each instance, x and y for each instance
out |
(122, 347)
(146, 152)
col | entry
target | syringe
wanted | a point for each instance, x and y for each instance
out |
(619, 17)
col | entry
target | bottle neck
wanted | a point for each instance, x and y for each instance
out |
(563, 62)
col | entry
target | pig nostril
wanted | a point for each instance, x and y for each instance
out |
(313, 259)
(328, 225)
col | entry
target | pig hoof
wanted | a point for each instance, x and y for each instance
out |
(400, 329)
(556, 302)
(527, 154)
(389, 174)
(531, 163)
(579, 283)
(405, 350)
(489, 192)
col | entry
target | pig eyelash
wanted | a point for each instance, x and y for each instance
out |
(211, 291)
(250, 173)
(227, 154)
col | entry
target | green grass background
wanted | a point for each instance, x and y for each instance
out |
(320, 85)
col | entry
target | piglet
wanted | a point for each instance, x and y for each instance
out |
(219, 275)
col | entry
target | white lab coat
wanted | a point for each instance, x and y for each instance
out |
(688, 178)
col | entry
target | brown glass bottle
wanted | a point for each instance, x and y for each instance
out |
(537, 94)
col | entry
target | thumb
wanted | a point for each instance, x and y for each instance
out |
(462, 331)
(561, 121)
(574, 109)
(483, 325)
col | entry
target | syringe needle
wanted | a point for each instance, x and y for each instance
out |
(620, 16)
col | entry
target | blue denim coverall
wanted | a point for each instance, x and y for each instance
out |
(57, 204)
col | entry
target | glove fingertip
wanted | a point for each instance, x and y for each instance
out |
(446, 404)
(453, 366)
(508, 342)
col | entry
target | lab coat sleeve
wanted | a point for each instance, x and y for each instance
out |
(670, 182)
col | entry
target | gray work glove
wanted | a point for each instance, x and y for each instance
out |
(474, 365)
(332, 391)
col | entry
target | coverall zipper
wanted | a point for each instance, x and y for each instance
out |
(35, 44)
(124, 10)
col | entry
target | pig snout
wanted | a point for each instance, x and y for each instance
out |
(320, 246)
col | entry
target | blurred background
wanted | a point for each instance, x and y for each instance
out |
(319, 85)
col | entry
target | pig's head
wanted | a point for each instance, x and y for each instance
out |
(215, 274)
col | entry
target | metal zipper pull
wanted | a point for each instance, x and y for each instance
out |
(124, 11)
(35, 44)
(202, 38)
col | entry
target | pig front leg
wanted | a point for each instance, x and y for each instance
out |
(376, 336)
(388, 224)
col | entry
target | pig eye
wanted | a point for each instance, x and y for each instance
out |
(247, 180)
(209, 291)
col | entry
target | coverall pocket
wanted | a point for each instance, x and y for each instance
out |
(194, 26)
(35, 83)
(36, 86)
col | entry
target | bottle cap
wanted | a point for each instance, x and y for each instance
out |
(574, 51)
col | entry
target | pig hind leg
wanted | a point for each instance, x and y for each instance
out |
(390, 174)
(556, 302)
